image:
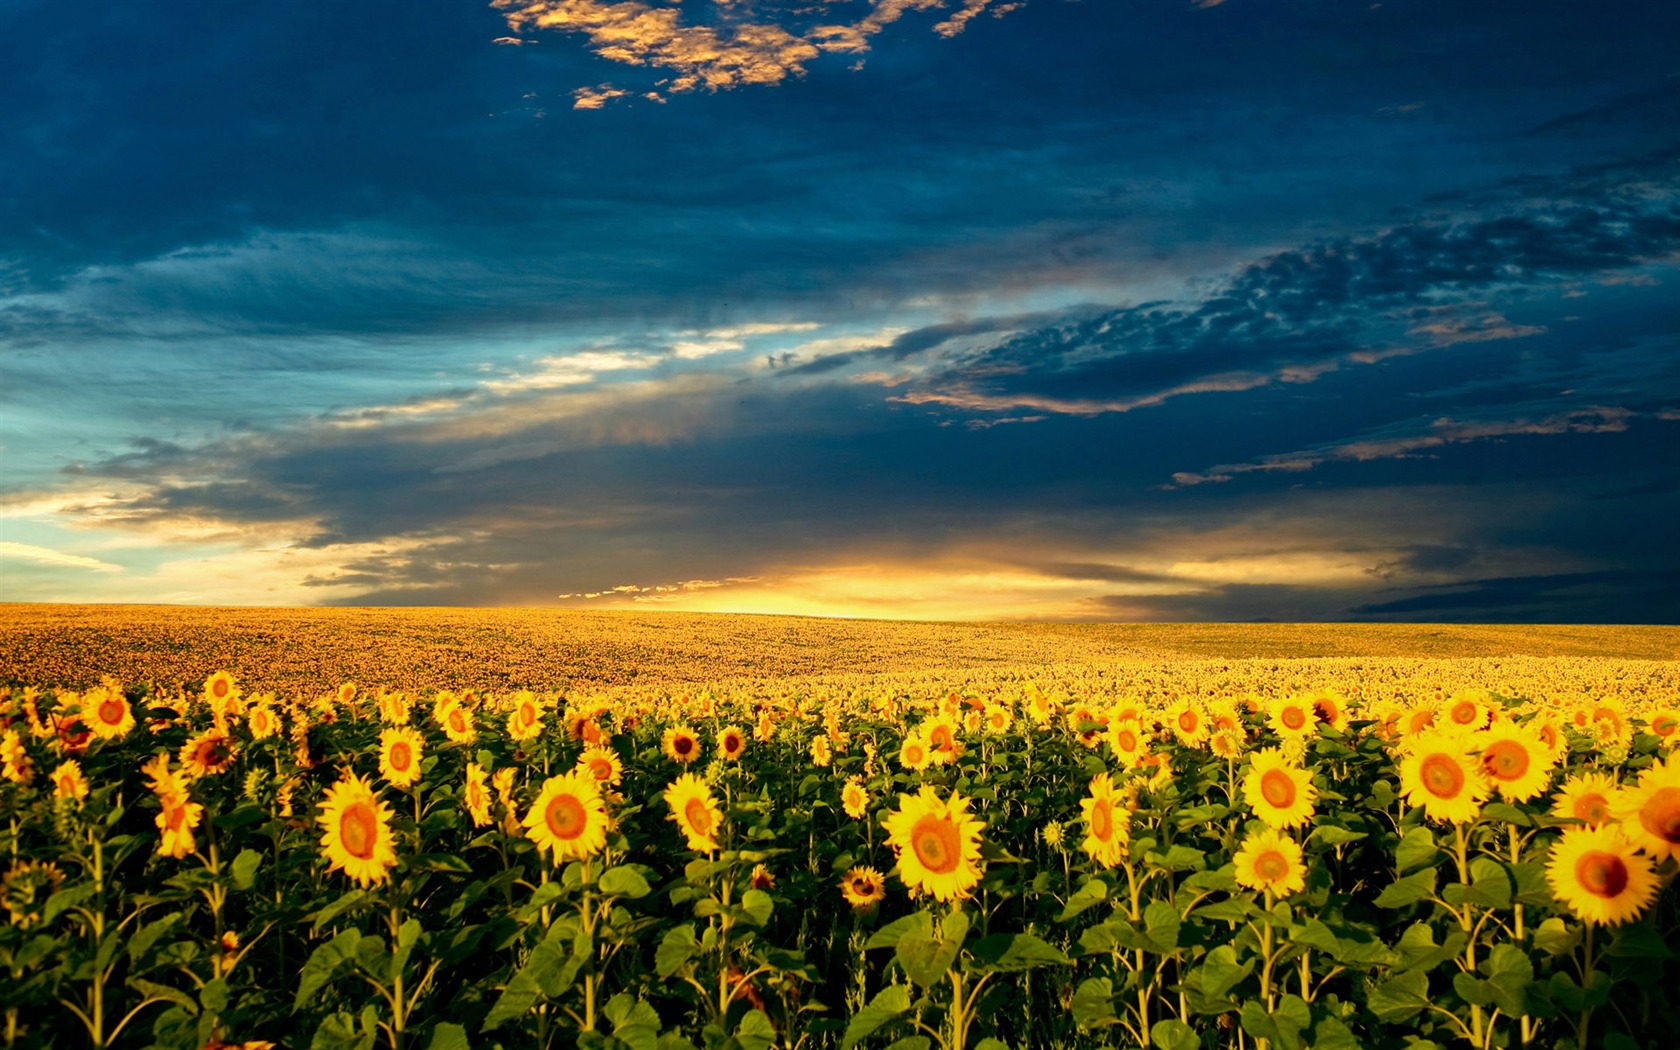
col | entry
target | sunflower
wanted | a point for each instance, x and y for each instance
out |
(1292, 716)
(347, 694)
(1466, 712)
(68, 781)
(940, 732)
(1126, 739)
(762, 878)
(1330, 708)
(1280, 793)
(14, 760)
(998, 719)
(914, 754)
(863, 888)
(1597, 873)
(1187, 722)
(1419, 718)
(394, 708)
(1269, 861)
(1041, 707)
(1650, 812)
(1586, 797)
(822, 753)
(937, 842)
(476, 795)
(695, 811)
(457, 722)
(569, 817)
(732, 743)
(854, 799)
(1438, 773)
(680, 744)
(525, 720)
(1516, 760)
(1226, 743)
(107, 712)
(356, 832)
(765, 730)
(1664, 724)
(163, 781)
(603, 764)
(1107, 822)
(220, 690)
(180, 815)
(207, 754)
(400, 749)
(261, 720)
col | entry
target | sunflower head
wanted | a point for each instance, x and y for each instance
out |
(356, 832)
(1650, 811)
(207, 754)
(1516, 761)
(732, 743)
(603, 764)
(1280, 793)
(476, 795)
(569, 817)
(400, 748)
(695, 811)
(680, 744)
(854, 799)
(1586, 798)
(107, 712)
(1599, 875)
(938, 844)
(1292, 716)
(1439, 773)
(1272, 862)
(863, 888)
(1108, 822)
(914, 754)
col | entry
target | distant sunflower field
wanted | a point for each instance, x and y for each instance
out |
(1060, 860)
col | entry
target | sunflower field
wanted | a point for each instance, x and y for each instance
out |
(1071, 861)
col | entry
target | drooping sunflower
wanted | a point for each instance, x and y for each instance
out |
(1650, 811)
(476, 795)
(914, 754)
(569, 817)
(863, 888)
(680, 744)
(603, 764)
(1515, 760)
(732, 743)
(1292, 716)
(107, 712)
(1438, 772)
(1586, 797)
(457, 722)
(1600, 876)
(937, 842)
(1128, 742)
(356, 832)
(854, 799)
(179, 816)
(207, 754)
(1187, 722)
(69, 781)
(1270, 861)
(1280, 793)
(261, 720)
(163, 780)
(400, 748)
(695, 811)
(1108, 823)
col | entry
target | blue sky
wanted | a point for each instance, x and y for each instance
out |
(962, 309)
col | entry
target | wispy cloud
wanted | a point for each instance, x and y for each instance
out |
(48, 556)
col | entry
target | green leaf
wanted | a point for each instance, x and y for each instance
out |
(339, 1032)
(1174, 1034)
(1221, 971)
(1506, 812)
(1331, 835)
(147, 935)
(323, 963)
(1555, 937)
(1178, 858)
(64, 900)
(447, 1036)
(1093, 1003)
(1509, 971)
(1161, 925)
(1472, 990)
(408, 935)
(634, 1022)
(1399, 998)
(756, 904)
(1418, 951)
(1639, 940)
(755, 1031)
(677, 948)
(338, 907)
(888, 935)
(1416, 849)
(1013, 952)
(245, 868)
(1092, 893)
(153, 990)
(1331, 1034)
(1409, 890)
(625, 881)
(526, 986)
(1223, 878)
(1491, 882)
(888, 1003)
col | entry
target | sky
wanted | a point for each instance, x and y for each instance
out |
(936, 309)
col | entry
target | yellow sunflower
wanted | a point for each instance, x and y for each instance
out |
(1330, 708)
(1465, 712)
(1664, 724)
(940, 732)
(1187, 722)
(457, 722)
(261, 720)
(207, 754)
(1269, 861)
(476, 795)
(400, 749)
(180, 815)
(1419, 718)
(1128, 742)
(1438, 773)
(998, 719)
(695, 811)
(356, 832)
(220, 690)
(107, 712)
(347, 694)
(163, 781)
(863, 888)
(1650, 811)
(1292, 716)
(680, 744)
(394, 708)
(854, 798)
(569, 817)
(1280, 793)
(732, 743)
(525, 720)
(68, 780)
(15, 763)
(603, 765)
(937, 842)
(915, 753)
(765, 730)
(1108, 822)
(1598, 874)
(822, 753)
(1586, 797)
(1516, 761)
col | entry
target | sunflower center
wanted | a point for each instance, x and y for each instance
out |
(1271, 865)
(1593, 808)
(1442, 776)
(1102, 820)
(682, 745)
(212, 753)
(1187, 721)
(1294, 718)
(1505, 760)
(601, 770)
(1277, 788)
(861, 887)
(941, 738)
(1128, 740)
(1601, 874)
(1660, 814)
(219, 688)
(936, 844)
(1463, 713)
(1665, 725)
(565, 817)
(402, 756)
(358, 829)
(111, 711)
(457, 722)
(699, 816)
